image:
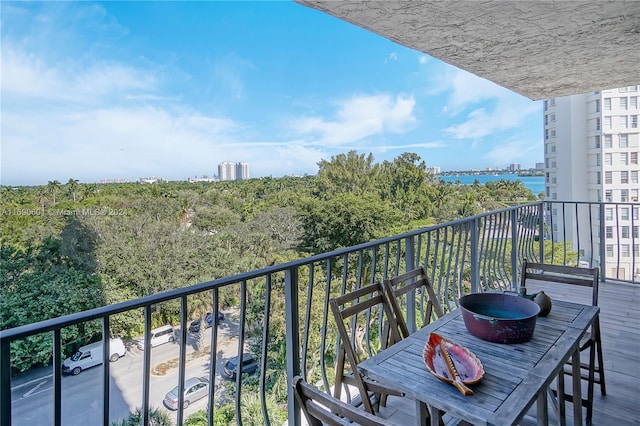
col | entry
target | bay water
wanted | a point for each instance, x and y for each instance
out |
(533, 183)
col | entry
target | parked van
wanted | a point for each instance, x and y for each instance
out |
(91, 355)
(159, 336)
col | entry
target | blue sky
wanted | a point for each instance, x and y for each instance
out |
(170, 89)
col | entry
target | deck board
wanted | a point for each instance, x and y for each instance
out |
(620, 326)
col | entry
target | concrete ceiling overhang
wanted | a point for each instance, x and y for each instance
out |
(539, 49)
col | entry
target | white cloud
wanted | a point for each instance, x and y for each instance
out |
(468, 89)
(107, 120)
(393, 56)
(28, 77)
(518, 149)
(492, 108)
(360, 117)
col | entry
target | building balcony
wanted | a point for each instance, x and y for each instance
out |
(281, 319)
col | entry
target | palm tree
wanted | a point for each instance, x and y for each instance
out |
(41, 196)
(8, 194)
(88, 190)
(72, 187)
(200, 305)
(157, 417)
(53, 186)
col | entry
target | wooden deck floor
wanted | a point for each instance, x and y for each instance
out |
(620, 324)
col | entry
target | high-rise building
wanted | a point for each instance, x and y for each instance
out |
(227, 171)
(242, 171)
(592, 145)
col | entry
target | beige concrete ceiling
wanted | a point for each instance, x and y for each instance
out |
(540, 49)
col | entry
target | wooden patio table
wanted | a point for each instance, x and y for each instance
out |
(516, 375)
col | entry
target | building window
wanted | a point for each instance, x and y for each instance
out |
(623, 103)
(636, 250)
(607, 104)
(624, 195)
(553, 148)
(625, 231)
(607, 123)
(636, 213)
(553, 102)
(608, 159)
(554, 196)
(609, 250)
(608, 195)
(608, 213)
(597, 124)
(624, 250)
(633, 102)
(546, 119)
(609, 231)
(634, 157)
(553, 118)
(624, 213)
(546, 134)
(598, 160)
(624, 176)
(624, 158)
(546, 105)
(634, 121)
(598, 179)
(622, 90)
(553, 165)
(597, 141)
(608, 177)
(553, 133)
(608, 141)
(624, 140)
(636, 232)
(634, 195)
(624, 121)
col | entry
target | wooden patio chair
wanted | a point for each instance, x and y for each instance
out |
(350, 311)
(321, 408)
(399, 286)
(593, 370)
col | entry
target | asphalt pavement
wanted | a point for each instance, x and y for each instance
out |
(32, 392)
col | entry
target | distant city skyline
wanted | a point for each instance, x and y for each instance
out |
(120, 90)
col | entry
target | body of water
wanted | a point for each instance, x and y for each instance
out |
(534, 183)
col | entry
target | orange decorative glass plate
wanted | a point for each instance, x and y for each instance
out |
(452, 363)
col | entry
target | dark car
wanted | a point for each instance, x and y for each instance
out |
(195, 325)
(249, 365)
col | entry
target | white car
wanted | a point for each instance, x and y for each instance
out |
(159, 336)
(91, 355)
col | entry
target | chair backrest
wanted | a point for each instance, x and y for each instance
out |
(354, 313)
(320, 408)
(410, 281)
(585, 277)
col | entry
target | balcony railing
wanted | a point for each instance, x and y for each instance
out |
(473, 254)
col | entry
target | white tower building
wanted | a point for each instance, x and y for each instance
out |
(226, 171)
(592, 144)
(242, 171)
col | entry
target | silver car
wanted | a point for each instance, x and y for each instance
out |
(194, 389)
